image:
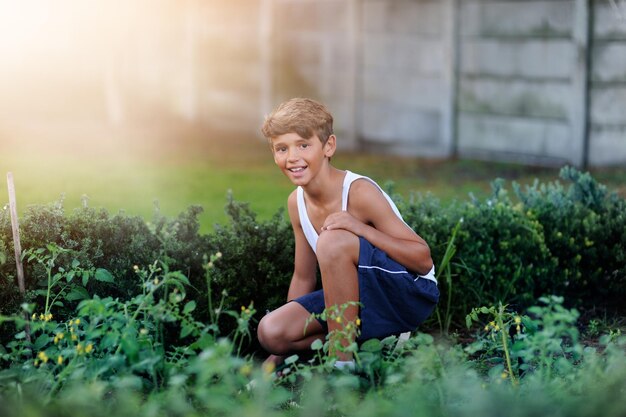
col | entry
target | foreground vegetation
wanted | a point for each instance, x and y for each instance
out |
(112, 357)
(148, 319)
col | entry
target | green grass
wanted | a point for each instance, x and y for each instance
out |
(177, 167)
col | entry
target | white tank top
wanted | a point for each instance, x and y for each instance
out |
(311, 234)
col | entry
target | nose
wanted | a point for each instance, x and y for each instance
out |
(292, 154)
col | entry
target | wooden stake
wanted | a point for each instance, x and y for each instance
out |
(17, 245)
(16, 234)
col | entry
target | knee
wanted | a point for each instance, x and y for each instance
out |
(336, 245)
(271, 335)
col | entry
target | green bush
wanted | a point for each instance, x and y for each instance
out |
(503, 254)
(546, 239)
(257, 258)
(255, 267)
(500, 252)
(585, 231)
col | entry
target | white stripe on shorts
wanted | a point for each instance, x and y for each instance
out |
(396, 272)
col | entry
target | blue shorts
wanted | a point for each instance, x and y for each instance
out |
(393, 300)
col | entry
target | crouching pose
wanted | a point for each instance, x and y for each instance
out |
(368, 257)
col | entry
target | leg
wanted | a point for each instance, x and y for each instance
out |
(283, 330)
(338, 256)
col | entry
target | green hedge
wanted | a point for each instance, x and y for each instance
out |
(544, 239)
(510, 247)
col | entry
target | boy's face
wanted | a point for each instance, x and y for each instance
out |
(301, 159)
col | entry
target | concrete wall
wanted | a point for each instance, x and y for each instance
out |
(519, 92)
(494, 79)
(537, 81)
(405, 77)
(314, 55)
(607, 133)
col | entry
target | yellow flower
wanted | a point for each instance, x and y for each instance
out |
(242, 308)
(358, 322)
(58, 337)
(492, 323)
(156, 281)
(348, 327)
(48, 317)
(486, 328)
(518, 328)
(34, 316)
(77, 322)
(269, 367)
(41, 317)
(496, 328)
(247, 311)
(79, 348)
(135, 268)
(42, 357)
(338, 319)
(504, 375)
(245, 370)
(60, 360)
(74, 338)
(518, 320)
(89, 348)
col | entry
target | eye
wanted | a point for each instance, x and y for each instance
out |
(280, 149)
(304, 145)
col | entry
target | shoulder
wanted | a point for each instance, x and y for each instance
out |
(292, 207)
(364, 190)
(292, 200)
(367, 199)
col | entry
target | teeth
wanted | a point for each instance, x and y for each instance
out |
(296, 169)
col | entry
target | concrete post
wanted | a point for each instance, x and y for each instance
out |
(580, 83)
(353, 32)
(266, 11)
(450, 75)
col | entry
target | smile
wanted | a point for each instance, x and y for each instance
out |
(297, 169)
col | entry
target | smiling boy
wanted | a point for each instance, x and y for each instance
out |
(346, 225)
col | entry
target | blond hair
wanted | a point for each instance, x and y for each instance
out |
(303, 116)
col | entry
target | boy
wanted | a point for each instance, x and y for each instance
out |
(345, 224)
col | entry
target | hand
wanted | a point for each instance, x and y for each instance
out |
(343, 220)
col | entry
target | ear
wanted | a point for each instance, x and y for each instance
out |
(331, 146)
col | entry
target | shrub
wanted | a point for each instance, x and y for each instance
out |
(585, 231)
(257, 258)
(503, 253)
(500, 252)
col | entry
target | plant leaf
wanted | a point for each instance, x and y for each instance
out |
(104, 275)
(317, 344)
(77, 293)
(291, 359)
(41, 341)
(189, 307)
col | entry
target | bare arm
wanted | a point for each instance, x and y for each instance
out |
(305, 262)
(370, 216)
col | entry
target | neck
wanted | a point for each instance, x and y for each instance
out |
(323, 189)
